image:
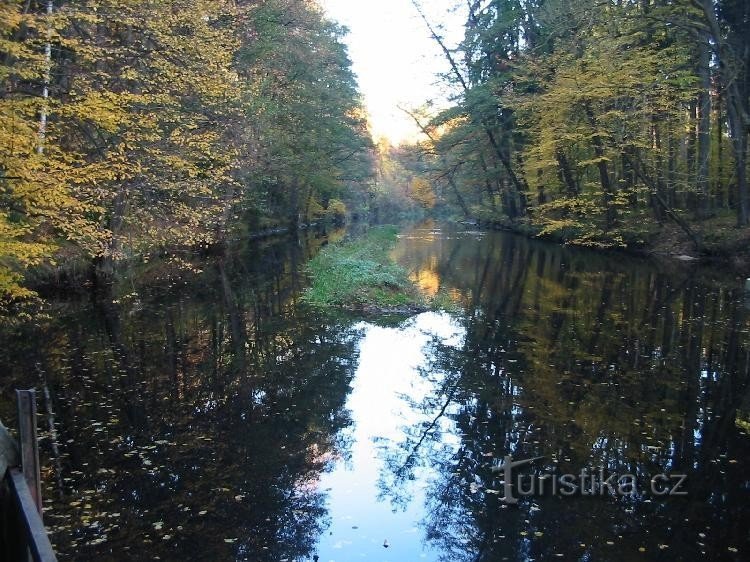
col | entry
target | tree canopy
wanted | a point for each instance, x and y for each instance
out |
(133, 127)
(598, 123)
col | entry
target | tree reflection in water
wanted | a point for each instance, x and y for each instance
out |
(200, 415)
(195, 415)
(589, 361)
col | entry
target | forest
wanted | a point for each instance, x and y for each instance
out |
(254, 328)
(598, 123)
(137, 127)
(140, 127)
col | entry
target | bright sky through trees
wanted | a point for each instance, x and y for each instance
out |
(394, 57)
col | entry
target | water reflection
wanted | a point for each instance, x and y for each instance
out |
(588, 361)
(201, 413)
(194, 415)
(387, 379)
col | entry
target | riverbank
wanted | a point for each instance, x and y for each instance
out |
(725, 247)
(721, 242)
(359, 274)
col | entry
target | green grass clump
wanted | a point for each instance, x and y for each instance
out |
(361, 273)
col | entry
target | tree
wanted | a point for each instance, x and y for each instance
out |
(138, 127)
(596, 123)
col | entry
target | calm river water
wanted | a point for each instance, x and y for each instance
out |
(198, 411)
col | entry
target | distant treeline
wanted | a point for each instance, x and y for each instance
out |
(133, 126)
(597, 122)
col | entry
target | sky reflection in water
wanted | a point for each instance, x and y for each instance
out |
(203, 414)
(389, 362)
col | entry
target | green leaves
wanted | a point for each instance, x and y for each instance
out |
(159, 121)
(311, 128)
(360, 273)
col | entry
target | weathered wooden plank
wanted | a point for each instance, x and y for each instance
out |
(8, 450)
(29, 446)
(38, 541)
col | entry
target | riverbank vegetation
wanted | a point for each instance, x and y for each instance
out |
(129, 128)
(136, 128)
(597, 123)
(360, 274)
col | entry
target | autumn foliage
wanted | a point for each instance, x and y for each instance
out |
(133, 127)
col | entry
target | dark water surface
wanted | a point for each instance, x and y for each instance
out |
(200, 412)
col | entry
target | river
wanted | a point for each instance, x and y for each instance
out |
(196, 410)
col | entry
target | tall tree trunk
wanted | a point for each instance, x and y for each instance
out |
(740, 155)
(601, 164)
(294, 207)
(704, 127)
(688, 198)
(47, 77)
(487, 182)
(737, 107)
(222, 229)
(565, 173)
(671, 188)
(660, 187)
(106, 266)
(459, 197)
(721, 200)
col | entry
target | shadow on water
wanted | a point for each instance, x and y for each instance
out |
(201, 413)
(194, 411)
(588, 361)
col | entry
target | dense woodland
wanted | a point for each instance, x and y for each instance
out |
(193, 407)
(601, 123)
(133, 128)
(139, 126)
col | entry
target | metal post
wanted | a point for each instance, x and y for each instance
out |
(29, 445)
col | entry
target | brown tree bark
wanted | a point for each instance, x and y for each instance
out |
(737, 107)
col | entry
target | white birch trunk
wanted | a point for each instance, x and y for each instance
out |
(47, 77)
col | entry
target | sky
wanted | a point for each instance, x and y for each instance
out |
(394, 57)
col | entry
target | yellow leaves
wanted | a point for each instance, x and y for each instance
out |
(592, 161)
(11, 288)
(553, 226)
(15, 255)
(129, 73)
(315, 210)
(336, 209)
(10, 17)
(151, 118)
(587, 103)
(421, 191)
(108, 111)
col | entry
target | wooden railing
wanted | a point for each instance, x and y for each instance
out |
(22, 532)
